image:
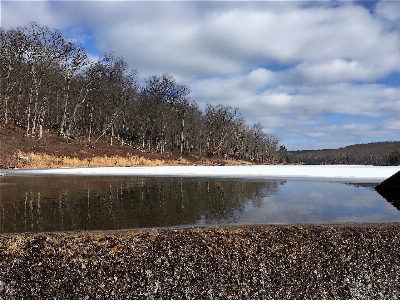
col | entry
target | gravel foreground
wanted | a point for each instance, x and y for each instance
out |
(252, 262)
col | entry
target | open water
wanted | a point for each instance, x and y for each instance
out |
(69, 203)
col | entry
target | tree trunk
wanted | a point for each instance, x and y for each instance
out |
(28, 113)
(73, 118)
(41, 119)
(64, 116)
(182, 135)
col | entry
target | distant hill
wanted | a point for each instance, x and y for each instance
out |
(379, 154)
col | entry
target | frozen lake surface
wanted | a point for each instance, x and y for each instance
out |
(331, 172)
(125, 198)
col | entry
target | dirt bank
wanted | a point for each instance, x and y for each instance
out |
(260, 262)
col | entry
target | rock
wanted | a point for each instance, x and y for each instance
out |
(390, 189)
(24, 159)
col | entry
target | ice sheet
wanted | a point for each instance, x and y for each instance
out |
(326, 172)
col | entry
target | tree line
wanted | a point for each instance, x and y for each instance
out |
(49, 82)
(378, 154)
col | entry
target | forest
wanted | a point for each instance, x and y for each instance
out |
(49, 82)
(377, 154)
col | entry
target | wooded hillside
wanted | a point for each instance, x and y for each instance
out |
(379, 154)
(48, 82)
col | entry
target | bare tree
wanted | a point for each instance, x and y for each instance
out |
(44, 50)
(114, 87)
(221, 125)
(72, 59)
(12, 49)
(172, 98)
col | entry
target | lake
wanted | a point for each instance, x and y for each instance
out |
(69, 203)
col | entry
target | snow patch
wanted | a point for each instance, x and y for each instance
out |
(307, 172)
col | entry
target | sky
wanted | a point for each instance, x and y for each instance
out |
(317, 74)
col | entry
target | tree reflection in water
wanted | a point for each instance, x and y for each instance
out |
(105, 203)
(80, 203)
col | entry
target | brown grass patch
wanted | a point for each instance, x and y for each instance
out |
(43, 160)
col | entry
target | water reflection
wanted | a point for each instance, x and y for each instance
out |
(81, 203)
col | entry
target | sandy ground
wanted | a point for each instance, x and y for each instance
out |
(253, 262)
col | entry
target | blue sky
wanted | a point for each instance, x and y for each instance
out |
(316, 74)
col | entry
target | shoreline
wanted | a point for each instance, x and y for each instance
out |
(139, 230)
(347, 261)
(351, 173)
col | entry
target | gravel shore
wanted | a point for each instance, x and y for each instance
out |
(252, 262)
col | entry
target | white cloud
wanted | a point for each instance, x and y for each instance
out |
(389, 13)
(229, 38)
(368, 100)
(331, 71)
(21, 13)
(392, 124)
(332, 136)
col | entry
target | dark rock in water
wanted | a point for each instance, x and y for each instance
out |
(392, 183)
(390, 189)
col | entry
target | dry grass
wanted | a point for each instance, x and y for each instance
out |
(49, 161)
(42, 160)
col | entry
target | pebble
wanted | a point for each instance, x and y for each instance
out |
(250, 262)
